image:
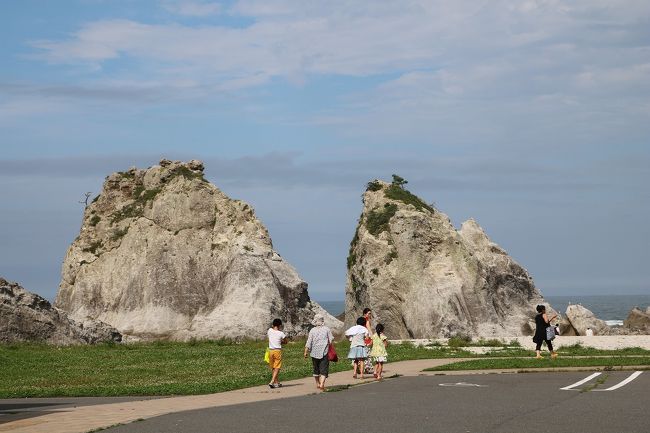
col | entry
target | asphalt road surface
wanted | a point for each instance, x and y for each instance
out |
(516, 403)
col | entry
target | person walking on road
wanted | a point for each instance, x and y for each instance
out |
(358, 350)
(318, 342)
(276, 339)
(367, 314)
(378, 352)
(542, 323)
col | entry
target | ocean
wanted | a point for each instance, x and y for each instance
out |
(611, 308)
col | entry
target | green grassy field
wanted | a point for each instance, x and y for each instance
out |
(32, 370)
(167, 368)
(525, 363)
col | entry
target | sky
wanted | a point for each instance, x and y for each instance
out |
(533, 117)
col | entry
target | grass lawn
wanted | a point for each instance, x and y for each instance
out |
(161, 368)
(169, 368)
(520, 363)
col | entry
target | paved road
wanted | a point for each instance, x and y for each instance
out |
(517, 403)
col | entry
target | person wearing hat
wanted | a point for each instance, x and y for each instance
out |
(318, 342)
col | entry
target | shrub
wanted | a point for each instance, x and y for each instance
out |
(397, 193)
(459, 340)
(373, 186)
(93, 247)
(378, 221)
(95, 220)
(490, 343)
(352, 259)
(188, 174)
(136, 209)
(119, 233)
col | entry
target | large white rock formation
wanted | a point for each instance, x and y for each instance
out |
(25, 316)
(425, 279)
(163, 253)
(582, 318)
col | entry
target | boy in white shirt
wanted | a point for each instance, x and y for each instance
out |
(276, 339)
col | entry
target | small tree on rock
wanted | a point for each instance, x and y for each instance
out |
(399, 181)
(85, 200)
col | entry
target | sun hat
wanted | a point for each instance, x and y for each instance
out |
(318, 320)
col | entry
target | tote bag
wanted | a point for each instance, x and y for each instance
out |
(331, 352)
(550, 333)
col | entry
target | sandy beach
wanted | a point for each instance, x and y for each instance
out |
(597, 341)
(607, 342)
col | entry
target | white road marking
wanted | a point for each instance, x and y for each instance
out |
(462, 384)
(623, 382)
(580, 382)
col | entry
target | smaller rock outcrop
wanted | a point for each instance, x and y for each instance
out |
(638, 321)
(581, 318)
(25, 316)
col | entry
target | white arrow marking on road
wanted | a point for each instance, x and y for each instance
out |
(623, 382)
(462, 384)
(585, 380)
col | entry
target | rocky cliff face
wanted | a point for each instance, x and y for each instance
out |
(162, 253)
(425, 279)
(25, 316)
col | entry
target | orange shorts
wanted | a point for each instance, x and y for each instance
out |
(275, 358)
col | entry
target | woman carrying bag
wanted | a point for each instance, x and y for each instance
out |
(320, 349)
(544, 332)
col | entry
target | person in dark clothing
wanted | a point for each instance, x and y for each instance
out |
(541, 323)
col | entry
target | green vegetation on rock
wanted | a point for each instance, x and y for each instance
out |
(189, 174)
(397, 193)
(373, 186)
(391, 256)
(119, 233)
(378, 220)
(93, 247)
(136, 208)
(352, 257)
(95, 220)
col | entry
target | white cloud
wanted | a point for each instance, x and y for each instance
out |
(192, 8)
(451, 64)
(362, 38)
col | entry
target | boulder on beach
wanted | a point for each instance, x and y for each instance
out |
(566, 329)
(638, 320)
(164, 254)
(27, 317)
(425, 279)
(582, 318)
